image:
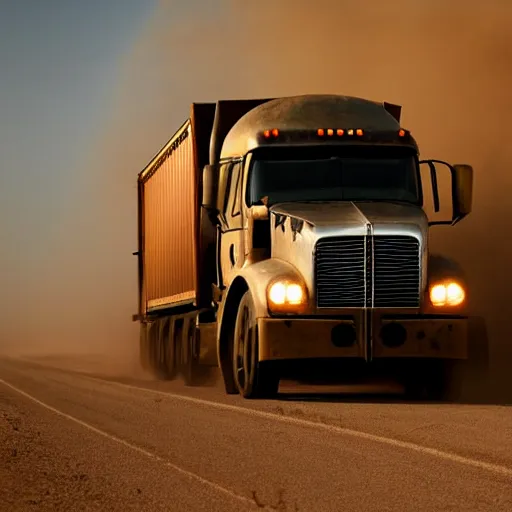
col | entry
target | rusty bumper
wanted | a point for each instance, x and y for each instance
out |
(367, 337)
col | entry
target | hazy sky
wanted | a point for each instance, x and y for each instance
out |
(60, 62)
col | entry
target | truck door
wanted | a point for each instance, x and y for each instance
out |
(231, 225)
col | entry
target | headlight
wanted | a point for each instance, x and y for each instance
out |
(447, 294)
(286, 295)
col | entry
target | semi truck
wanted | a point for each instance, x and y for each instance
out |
(293, 231)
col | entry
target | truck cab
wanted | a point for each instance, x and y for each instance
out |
(323, 242)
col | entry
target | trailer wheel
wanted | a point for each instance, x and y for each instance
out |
(144, 356)
(194, 374)
(154, 348)
(164, 366)
(187, 355)
(253, 378)
(170, 363)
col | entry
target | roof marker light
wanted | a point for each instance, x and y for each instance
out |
(359, 132)
(321, 132)
(350, 132)
(401, 133)
(275, 132)
(330, 132)
(266, 134)
(340, 132)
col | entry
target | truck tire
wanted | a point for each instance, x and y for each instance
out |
(164, 360)
(253, 378)
(170, 366)
(153, 341)
(427, 380)
(188, 362)
(144, 347)
(193, 373)
(475, 375)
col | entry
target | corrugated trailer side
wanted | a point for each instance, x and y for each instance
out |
(171, 269)
(167, 198)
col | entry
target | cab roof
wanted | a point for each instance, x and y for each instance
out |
(308, 112)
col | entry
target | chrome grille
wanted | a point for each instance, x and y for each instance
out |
(339, 268)
(373, 271)
(396, 276)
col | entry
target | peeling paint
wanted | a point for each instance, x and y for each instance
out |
(296, 225)
(280, 220)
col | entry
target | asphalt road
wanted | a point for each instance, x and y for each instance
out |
(74, 440)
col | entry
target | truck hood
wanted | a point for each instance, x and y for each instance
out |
(296, 227)
(348, 214)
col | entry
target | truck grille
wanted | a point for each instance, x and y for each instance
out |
(340, 276)
(368, 271)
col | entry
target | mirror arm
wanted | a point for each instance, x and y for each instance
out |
(435, 192)
(455, 204)
(440, 223)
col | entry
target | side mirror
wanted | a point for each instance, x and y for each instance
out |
(461, 189)
(210, 182)
(258, 212)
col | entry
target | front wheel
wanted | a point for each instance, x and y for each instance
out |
(427, 380)
(253, 378)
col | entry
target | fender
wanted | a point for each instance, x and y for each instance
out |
(442, 268)
(254, 277)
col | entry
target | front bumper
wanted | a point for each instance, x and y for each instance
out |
(367, 336)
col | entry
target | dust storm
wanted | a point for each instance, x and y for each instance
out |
(447, 63)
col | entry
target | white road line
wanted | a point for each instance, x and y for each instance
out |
(440, 454)
(153, 456)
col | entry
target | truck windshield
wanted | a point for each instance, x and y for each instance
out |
(336, 178)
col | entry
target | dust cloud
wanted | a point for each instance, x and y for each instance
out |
(447, 63)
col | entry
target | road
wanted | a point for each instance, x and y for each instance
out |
(74, 438)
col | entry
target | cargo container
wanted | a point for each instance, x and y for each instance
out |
(279, 232)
